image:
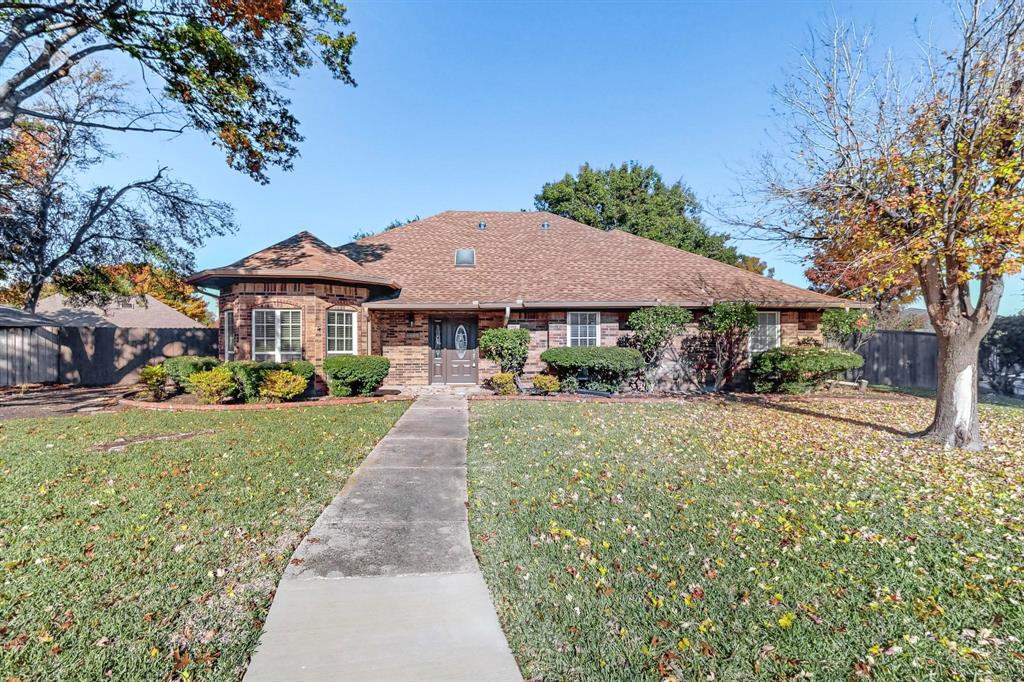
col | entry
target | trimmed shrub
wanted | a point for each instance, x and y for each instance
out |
(546, 384)
(504, 383)
(154, 378)
(213, 385)
(249, 375)
(304, 369)
(798, 369)
(569, 384)
(179, 369)
(280, 384)
(605, 368)
(360, 374)
(507, 347)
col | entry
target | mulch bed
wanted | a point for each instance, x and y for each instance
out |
(190, 406)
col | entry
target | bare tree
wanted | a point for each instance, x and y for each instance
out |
(912, 170)
(52, 229)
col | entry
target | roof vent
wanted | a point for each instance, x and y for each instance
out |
(482, 225)
(545, 226)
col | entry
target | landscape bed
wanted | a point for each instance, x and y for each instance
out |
(769, 539)
(132, 550)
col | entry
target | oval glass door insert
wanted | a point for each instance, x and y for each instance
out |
(461, 341)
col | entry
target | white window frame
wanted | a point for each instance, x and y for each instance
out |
(229, 335)
(355, 332)
(277, 332)
(569, 325)
(778, 331)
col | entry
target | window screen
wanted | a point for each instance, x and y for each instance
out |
(766, 335)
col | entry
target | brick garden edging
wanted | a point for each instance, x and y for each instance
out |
(583, 398)
(326, 402)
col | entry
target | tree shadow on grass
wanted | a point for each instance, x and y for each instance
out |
(790, 408)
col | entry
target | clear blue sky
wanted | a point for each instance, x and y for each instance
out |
(474, 105)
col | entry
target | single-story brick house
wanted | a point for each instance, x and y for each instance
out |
(422, 293)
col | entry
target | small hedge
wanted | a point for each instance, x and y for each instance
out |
(280, 384)
(507, 347)
(504, 383)
(154, 378)
(249, 375)
(605, 368)
(355, 374)
(798, 369)
(545, 384)
(179, 369)
(213, 385)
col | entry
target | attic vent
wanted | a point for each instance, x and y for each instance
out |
(465, 258)
(482, 225)
(545, 226)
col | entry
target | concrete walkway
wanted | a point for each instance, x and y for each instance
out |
(387, 587)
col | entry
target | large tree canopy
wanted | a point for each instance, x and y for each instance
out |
(56, 230)
(217, 63)
(913, 174)
(636, 199)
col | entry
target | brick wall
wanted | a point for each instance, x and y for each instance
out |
(313, 300)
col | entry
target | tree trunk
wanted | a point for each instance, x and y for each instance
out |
(956, 400)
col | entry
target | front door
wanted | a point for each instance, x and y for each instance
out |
(453, 351)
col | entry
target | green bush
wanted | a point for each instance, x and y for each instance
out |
(179, 369)
(569, 384)
(507, 347)
(546, 384)
(249, 375)
(360, 374)
(504, 383)
(798, 369)
(280, 384)
(213, 385)
(605, 368)
(840, 325)
(154, 378)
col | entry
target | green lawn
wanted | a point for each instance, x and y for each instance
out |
(737, 540)
(160, 561)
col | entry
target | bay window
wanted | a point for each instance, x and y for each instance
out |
(276, 335)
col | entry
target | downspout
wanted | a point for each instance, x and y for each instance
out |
(508, 314)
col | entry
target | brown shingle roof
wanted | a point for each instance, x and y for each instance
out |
(567, 263)
(301, 255)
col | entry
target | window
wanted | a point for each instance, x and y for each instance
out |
(341, 332)
(767, 333)
(229, 335)
(584, 329)
(276, 335)
(465, 258)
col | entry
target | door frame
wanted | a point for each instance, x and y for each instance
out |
(437, 366)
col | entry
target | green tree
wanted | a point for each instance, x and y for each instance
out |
(219, 64)
(636, 199)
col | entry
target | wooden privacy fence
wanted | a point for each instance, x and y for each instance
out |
(29, 355)
(93, 356)
(905, 359)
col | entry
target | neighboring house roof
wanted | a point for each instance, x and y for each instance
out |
(522, 259)
(131, 312)
(15, 317)
(300, 256)
(519, 262)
